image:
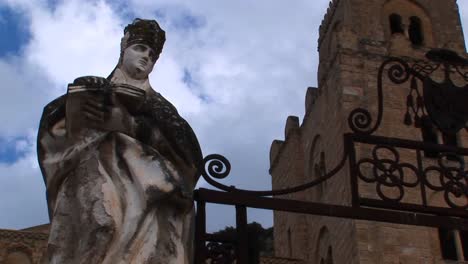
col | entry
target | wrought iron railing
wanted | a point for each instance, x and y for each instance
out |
(385, 187)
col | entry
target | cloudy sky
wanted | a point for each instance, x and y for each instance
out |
(234, 69)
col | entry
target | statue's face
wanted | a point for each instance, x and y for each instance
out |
(138, 61)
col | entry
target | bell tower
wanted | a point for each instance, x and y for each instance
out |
(355, 38)
(388, 28)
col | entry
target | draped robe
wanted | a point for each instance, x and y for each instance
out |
(118, 197)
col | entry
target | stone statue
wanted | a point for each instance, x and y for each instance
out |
(120, 165)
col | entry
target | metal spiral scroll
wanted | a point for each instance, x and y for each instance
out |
(217, 166)
(360, 120)
(398, 73)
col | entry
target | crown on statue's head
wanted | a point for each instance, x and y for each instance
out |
(144, 31)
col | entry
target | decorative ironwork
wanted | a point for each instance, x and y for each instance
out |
(394, 180)
(360, 119)
(217, 166)
(443, 104)
(388, 172)
(316, 165)
(452, 179)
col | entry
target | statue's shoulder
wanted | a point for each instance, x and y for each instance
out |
(159, 102)
(58, 104)
(160, 108)
(52, 113)
(176, 127)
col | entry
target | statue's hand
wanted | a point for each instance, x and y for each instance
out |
(95, 110)
(108, 117)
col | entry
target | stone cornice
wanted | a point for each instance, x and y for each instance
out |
(19, 235)
(323, 29)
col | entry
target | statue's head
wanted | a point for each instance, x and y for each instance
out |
(140, 48)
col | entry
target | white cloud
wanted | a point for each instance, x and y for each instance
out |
(75, 39)
(68, 41)
(167, 78)
(25, 91)
(22, 190)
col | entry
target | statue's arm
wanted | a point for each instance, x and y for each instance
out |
(182, 172)
(58, 154)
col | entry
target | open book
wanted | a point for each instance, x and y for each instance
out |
(129, 96)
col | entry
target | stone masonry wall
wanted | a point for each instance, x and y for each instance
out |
(22, 247)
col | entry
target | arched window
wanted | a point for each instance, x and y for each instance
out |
(323, 165)
(396, 25)
(448, 244)
(452, 241)
(329, 259)
(323, 247)
(18, 257)
(317, 166)
(415, 31)
(410, 19)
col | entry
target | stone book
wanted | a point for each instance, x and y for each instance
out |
(127, 96)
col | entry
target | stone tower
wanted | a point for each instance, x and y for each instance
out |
(355, 38)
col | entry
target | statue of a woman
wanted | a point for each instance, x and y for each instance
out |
(120, 165)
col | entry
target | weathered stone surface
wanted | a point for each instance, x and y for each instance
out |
(120, 165)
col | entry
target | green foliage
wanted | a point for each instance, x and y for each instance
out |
(260, 240)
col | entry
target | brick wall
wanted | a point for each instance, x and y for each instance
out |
(22, 247)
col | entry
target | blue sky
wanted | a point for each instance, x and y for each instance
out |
(234, 69)
(13, 25)
(11, 149)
